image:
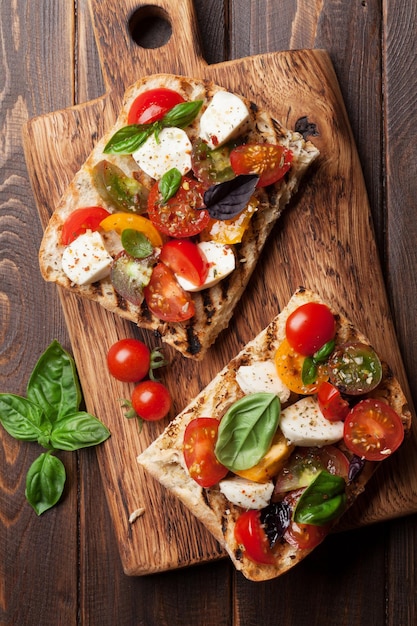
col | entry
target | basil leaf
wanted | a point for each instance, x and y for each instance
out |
(80, 430)
(23, 419)
(324, 352)
(53, 384)
(169, 184)
(309, 371)
(128, 139)
(181, 115)
(226, 200)
(323, 500)
(136, 243)
(246, 430)
(45, 482)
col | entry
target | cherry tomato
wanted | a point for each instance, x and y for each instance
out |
(81, 220)
(152, 105)
(303, 536)
(211, 166)
(355, 368)
(250, 534)
(289, 366)
(269, 161)
(182, 215)
(166, 298)
(331, 403)
(129, 360)
(373, 430)
(151, 400)
(199, 440)
(123, 221)
(185, 258)
(309, 327)
(305, 463)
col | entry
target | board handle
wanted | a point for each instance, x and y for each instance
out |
(134, 40)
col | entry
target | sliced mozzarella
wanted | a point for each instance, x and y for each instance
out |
(246, 493)
(224, 118)
(261, 377)
(172, 149)
(86, 260)
(222, 261)
(303, 424)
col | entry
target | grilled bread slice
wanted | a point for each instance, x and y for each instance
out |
(164, 458)
(214, 305)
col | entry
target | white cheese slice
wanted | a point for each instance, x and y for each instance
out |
(246, 493)
(172, 149)
(222, 261)
(261, 377)
(86, 260)
(303, 424)
(224, 119)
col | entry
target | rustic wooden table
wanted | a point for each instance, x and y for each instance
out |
(64, 567)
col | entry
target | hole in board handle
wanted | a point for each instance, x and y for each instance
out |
(150, 27)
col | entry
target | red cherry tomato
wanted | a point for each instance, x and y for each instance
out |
(165, 297)
(81, 220)
(303, 536)
(269, 161)
(129, 360)
(184, 258)
(182, 215)
(152, 105)
(199, 440)
(309, 327)
(373, 430)
(151, 400)
(331, 403)
(250, 534)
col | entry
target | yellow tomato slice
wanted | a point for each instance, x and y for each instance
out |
(289, 364)
(121, 221)
(232, 231)
(272, 463)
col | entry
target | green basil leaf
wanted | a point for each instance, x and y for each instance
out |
(246, 430)
(128, 139)
(54, 384)
(309, 371)
(136, 243)
(181, 115)
(169, 184)
(323, 500)
(324, 352)
(23, 419)
(80, 430)
(45, 482)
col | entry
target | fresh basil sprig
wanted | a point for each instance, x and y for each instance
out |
(169, 184)
(246, 430)
(130, 138)
(311, 363)
(50, 416)
(323, 500)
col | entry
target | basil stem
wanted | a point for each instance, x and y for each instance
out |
(169, 184)
(76, 431)
(181, 115)
(322, 501)
(247, 429)
(136, 243)
(45, 482)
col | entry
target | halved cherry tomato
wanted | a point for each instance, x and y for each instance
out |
(309, 327)
(182, 216)
(185, 258)
(129, 360)
(122, 221)
(289, 366)
(199, 440)
(303, 536)
(211, 166)
(355, 368)
(269, 161)
(81, 220)
(151, 400)
(331, 403)
(152, 105)
(373, 430)
(232, 231)
(250, 534)
(166, 298)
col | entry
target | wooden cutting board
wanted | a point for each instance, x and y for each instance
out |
(324, 241)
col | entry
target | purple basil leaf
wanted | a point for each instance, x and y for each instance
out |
(356, 466)
(276, 518)
(226, 200)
